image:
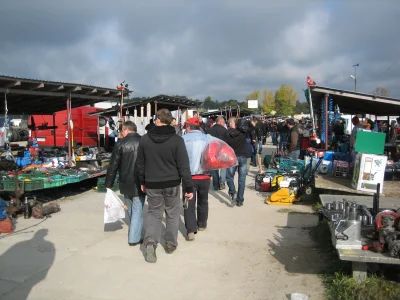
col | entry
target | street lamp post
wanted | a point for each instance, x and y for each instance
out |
(355, 76)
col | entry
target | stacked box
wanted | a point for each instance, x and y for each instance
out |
(369, 170)
(341, 169)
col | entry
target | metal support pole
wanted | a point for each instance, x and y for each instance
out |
(69, 129)
(55, 130)
(327, 122)
(355, 78)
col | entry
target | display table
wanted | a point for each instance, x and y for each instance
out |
(360, 258)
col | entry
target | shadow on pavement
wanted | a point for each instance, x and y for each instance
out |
(294, 247)
(218, 195)
(26, 264)
(111, 227)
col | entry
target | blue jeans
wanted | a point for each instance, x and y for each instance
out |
(259, 144)
(253, 154)
(230, 175)
(274, 138)
(218, 177)
(135, 207)
(282, 141)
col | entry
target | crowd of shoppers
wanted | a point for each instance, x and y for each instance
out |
(165, 162)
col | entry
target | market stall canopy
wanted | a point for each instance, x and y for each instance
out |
(358, 103)
(31, 96)
(157, 102)
(242, 112)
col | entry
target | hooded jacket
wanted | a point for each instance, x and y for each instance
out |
(218, 131)
(162, 160)
(237, 140)
(123, 160)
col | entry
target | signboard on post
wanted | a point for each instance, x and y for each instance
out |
(252, 103)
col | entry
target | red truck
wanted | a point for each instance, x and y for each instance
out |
(85, 128)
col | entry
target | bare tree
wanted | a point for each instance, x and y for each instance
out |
(381, 91)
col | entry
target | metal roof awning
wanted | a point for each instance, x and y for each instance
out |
(358, 103)
(157, 102)
(224, 112)
(31, 96)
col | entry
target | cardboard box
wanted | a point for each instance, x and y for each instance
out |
(369, 170)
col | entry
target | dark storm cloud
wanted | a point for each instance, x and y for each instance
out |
(224, 49)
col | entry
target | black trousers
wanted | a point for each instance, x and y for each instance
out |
(200, 195)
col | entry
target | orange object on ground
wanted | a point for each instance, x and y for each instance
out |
(6, 226)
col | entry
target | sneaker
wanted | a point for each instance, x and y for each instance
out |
(233, 196)
(135, 244)
(222, 186)
(202, 228)
(169, 248)
(151, 256)
(190, 236)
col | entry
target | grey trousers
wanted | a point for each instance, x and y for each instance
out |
(160, 200)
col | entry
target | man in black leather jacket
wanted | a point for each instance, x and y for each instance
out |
(123, 160)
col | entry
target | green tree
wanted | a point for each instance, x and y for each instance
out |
(285, 100)
(268, 101)
(209, 103)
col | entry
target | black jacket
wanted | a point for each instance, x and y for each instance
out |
(282, 128)
(163, 160)
(123, 160)
(237, 140)
(150, 126)
(218, 131)
(259, 129)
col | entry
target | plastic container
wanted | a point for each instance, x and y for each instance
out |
(9, 185)
(298, 296)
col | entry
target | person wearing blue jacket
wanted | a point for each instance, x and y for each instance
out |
(196, 142)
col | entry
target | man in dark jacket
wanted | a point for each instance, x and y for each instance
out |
(219, 131)
(162, 164)
(236, 138)
(123, 160)
(294, 139)
(283, 132)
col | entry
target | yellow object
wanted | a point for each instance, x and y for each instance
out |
(276, 181)
(281, 197)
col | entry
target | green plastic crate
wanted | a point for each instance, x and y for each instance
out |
(32, 185)
(9, 185)
(52, 183)
(73, 178)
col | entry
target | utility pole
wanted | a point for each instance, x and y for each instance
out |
(355, 76)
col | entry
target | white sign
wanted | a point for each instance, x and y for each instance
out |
(252, 103)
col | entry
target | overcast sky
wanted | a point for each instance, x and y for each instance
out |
(198, 48)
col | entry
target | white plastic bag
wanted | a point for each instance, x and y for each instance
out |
(114, 208)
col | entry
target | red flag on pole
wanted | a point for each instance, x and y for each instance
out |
(310, 81)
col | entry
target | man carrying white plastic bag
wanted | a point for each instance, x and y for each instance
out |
(123, 161)
(114, 209)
